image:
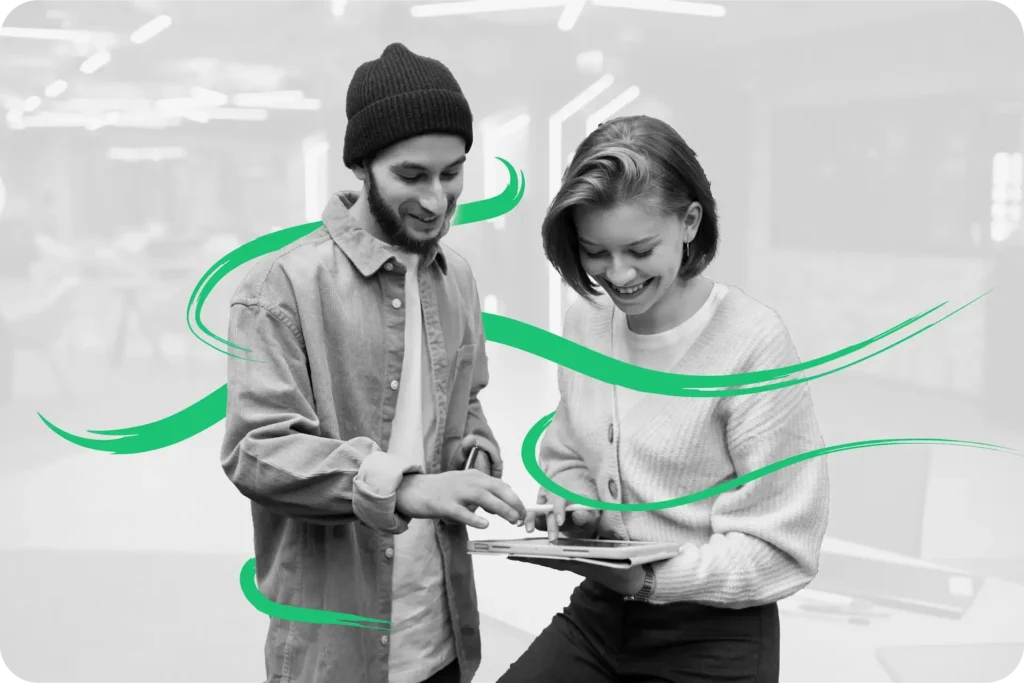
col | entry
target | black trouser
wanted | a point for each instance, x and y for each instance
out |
(449, 674)
(600, 638)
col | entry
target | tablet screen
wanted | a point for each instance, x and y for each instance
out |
(586, 542)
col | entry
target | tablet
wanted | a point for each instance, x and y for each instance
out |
(605, 552)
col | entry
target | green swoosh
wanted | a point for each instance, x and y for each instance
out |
(210, 410)
(529, 456)
(472, 212)
(247, 578)
(152, 436)
(586, 361)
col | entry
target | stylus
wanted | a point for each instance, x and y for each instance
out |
(551, 508)
(471, 458)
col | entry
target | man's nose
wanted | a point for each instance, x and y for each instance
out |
(435, 202)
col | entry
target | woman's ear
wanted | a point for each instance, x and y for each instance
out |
(691, 220)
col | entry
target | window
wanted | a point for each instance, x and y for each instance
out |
(1006, 195)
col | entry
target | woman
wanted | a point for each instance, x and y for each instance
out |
(636, 217)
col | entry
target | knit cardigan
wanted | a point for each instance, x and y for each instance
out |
(748, 546)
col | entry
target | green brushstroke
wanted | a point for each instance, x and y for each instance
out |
(153, 436)
(473, 212)
(252, 593)
(529, 456)
(535, 341)
(498, 329)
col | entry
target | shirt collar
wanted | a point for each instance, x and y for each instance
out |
(366, 252)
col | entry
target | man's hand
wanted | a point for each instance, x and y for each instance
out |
(577, 524)
(452, 496)
(623, 581)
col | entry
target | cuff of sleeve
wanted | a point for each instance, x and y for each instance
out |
(675, 580)
(375, 488)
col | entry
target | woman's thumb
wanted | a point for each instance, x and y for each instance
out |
(582, 517)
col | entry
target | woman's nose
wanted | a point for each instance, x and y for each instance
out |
(621, 275)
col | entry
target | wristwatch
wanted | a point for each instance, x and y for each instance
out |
(644, 594)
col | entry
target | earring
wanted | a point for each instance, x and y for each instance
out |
(686, 252)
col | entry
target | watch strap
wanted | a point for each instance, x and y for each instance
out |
(644, 594)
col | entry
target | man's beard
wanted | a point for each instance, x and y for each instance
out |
(391, 224)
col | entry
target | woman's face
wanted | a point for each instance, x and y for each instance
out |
(633, 251)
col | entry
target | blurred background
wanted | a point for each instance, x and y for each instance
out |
(867, 162)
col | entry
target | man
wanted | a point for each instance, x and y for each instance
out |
(351, 430)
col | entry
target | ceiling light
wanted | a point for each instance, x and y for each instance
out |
(110, 118)
(591, 61)
(145, 153)
(448, 9)
(32, 103)
(229, 114)
(570, 14)
(275, 95)
(697, 9)
(56, 88)
(94, 63)
(16, 118)
(46, 34)
(280, 99)
(57, 120)
(555, 122)
(100, 105)
(150, 29)
(304, 104)
(208, 98)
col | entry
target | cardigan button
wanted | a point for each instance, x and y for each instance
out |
(613, 488)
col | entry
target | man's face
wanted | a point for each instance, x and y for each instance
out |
(412, 189)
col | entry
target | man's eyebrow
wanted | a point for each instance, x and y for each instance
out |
(420, 167)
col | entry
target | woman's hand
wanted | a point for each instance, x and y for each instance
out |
(578, 524)
(622, 581)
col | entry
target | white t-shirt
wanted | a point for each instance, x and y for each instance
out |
(421, 637)
(661, 351)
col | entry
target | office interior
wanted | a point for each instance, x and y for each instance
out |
(867, 163)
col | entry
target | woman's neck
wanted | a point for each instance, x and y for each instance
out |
(677, 306)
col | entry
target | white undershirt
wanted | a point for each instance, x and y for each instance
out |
(421, 635)
(661, 351)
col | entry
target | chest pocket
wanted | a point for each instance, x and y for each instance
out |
(460, 383)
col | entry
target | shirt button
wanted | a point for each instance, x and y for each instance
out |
(613, 488)
(389, 553)
(383, 640)
(389, 266)
(394, 384)
(396, 303)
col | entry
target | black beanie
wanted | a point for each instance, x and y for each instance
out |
(399, 96)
